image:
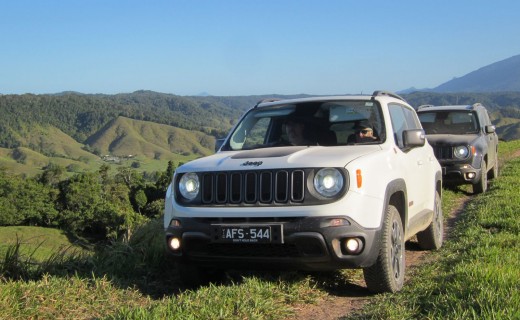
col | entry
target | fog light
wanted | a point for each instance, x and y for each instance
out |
(174, 243)
(471, 175)
(353, 245)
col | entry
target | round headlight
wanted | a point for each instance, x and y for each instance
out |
(461, 152)
(328, 182)
(189, 185)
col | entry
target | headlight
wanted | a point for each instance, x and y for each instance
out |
(189, 185)
(328, 182)
(461, 152)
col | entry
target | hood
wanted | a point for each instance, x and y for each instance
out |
(451, 139)
(281, 157)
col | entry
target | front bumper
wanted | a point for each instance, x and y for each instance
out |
(309, 243)
(460, 173)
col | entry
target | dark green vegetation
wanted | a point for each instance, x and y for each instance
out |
(144, 130)
(100, 205)
(475, 275)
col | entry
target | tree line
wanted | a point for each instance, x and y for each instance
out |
(95, 205)
(82, 115)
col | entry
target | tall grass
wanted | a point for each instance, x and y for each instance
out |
(138, 281)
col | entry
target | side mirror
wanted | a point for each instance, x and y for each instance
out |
(218, 144)
(489, 129)
(413, 138)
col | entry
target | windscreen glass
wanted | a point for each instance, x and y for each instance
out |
(323, 123)
(449, 122)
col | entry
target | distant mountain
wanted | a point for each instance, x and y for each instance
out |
(497, 77)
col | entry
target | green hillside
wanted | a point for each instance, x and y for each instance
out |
(124, 136)
(125, 141)
(53, 142)
(23, 160)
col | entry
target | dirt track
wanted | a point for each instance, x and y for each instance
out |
(338, 305)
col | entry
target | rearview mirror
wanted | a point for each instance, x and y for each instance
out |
(489, 129)
(413, 138)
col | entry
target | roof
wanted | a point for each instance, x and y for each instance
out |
(425, 108)
(268, 102)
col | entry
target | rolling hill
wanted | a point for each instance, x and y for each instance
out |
(123, 136)
(150, 144)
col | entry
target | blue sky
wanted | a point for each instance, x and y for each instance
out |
(245, 47)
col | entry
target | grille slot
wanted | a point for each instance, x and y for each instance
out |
(253, 187)
(443, 152)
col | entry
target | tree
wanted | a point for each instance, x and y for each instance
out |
(52, 174)
(140, 199)
(8, 214)
(26, 202)
(36, 203)
(81, 198)
(165, 179)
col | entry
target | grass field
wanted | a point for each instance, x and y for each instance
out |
(37, 243)
(474, 276)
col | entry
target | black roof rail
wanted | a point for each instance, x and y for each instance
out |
(425, 106)
(388, 94)
(266, 100)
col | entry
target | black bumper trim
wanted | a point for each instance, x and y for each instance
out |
(309, 244)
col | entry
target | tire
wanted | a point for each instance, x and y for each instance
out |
(432, 237)
(387, 274)
(494, 172)
(481, 185)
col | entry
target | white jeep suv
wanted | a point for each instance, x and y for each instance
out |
(348, 194)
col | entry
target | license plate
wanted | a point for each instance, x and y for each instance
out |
(248, 233)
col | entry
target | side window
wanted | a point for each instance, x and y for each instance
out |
(398, 123)
(403, 118)
(411, 118)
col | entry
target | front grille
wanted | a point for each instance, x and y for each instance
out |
(443, 152)
(253, 187)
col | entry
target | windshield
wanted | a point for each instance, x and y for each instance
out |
(449, 122)
(323, 123)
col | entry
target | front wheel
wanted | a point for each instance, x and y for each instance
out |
(481, 185)
(387, 274)
(494, 172)
(432, 237)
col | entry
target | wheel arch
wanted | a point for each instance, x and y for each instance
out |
(396, 196)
